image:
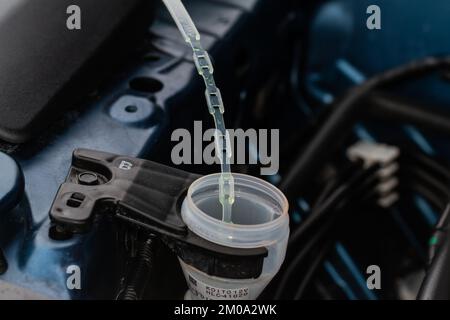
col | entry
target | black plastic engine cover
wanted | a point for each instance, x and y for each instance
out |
(40, 58)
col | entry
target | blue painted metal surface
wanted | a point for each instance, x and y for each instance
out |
(411, 29)
(46, 260)
(352, 52)
(11, 183)
(38, 263)
(123, 119)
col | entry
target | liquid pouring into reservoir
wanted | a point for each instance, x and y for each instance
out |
(214, 100)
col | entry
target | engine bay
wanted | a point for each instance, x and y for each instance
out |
(337, 120)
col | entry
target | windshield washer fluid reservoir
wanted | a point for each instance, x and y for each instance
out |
(259, 219)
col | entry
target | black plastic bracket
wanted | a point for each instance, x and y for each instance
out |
(146, 195)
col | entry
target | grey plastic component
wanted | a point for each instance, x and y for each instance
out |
(40, 57)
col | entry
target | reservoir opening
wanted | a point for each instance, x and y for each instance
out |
(251, 207)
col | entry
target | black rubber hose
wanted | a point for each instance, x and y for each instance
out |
(436, 285)
(139, 273)
(312, 269)
(344, 174)
(356, 181)
(390, 107)
(426, 176)
(292, 267)
(342, 118)
(418, 187)
(323, 196)
(3, 263)
(440, 188)
(328, 205)
(432, 165)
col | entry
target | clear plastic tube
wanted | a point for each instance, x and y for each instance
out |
(213, 98)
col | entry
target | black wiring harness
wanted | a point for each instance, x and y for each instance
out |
(317, 233)
(420, 174)
(436, 285)
(344, 114)
(312, 240)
